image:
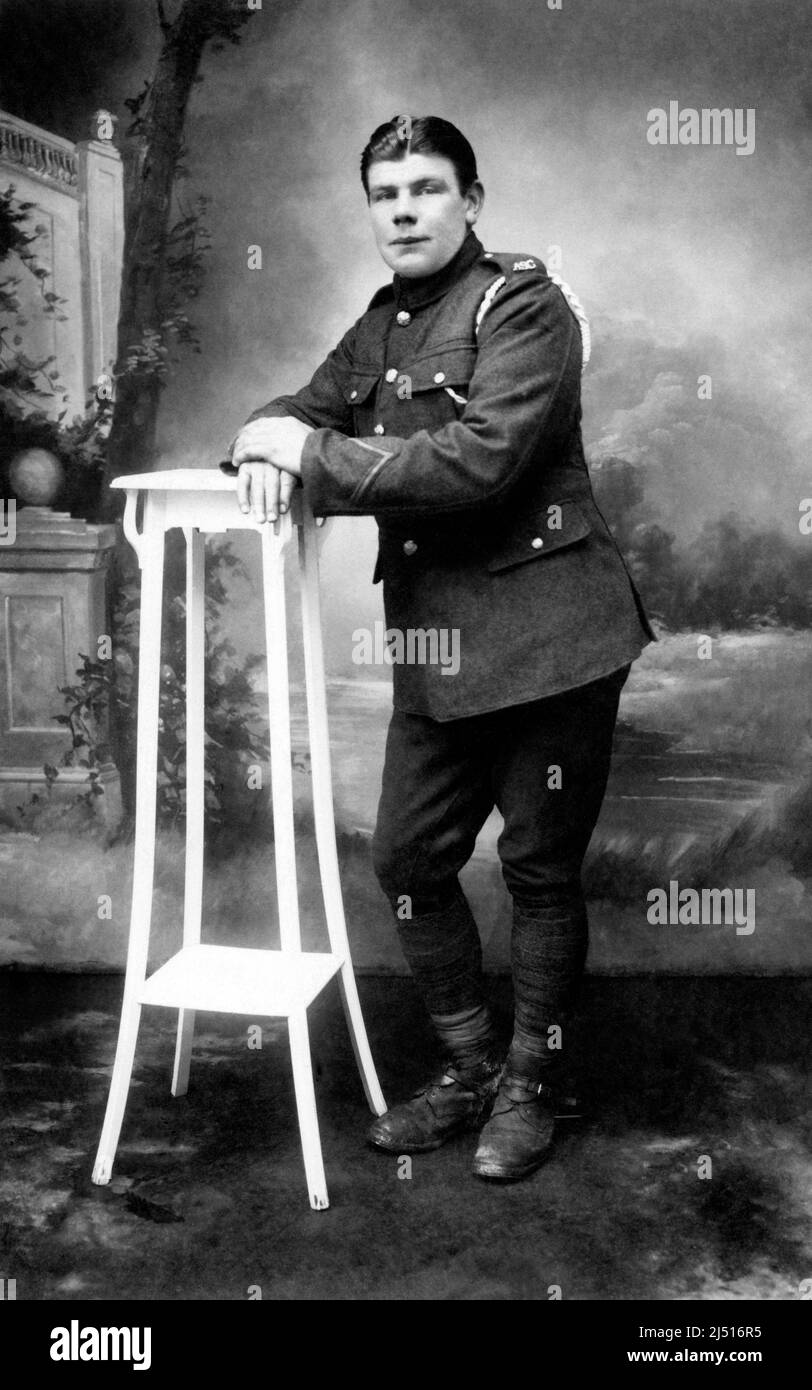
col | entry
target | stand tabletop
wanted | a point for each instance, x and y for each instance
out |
(187, 496)
(179, 480)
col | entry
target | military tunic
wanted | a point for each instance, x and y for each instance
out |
(451, 412)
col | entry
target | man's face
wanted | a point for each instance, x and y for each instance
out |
(419, 216)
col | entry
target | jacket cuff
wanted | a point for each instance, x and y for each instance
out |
(336, 470)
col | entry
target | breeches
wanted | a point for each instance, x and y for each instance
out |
(543, 765)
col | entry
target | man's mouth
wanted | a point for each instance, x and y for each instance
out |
(409, 240)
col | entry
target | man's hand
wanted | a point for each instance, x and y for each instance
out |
(278, 441)
(264, 489)
(268, 454)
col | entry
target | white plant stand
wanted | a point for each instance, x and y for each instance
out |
(227, 979)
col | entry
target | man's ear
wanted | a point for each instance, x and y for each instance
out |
(474, 198)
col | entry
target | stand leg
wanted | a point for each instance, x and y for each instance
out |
(149, 676)
(273, 586)
(273, 582)
(359, 1039)
(195, 784)
(306, 1108)
(323, 807)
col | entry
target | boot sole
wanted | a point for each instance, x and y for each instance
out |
(493, 1173)
(428, 1147)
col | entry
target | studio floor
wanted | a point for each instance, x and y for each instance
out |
(677, 1076)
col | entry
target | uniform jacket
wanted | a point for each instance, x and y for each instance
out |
(451, 412)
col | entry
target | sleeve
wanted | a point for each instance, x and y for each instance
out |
(323, 403)
(523, 395)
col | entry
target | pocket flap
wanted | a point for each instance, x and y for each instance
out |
(360, 387)
(449, 367)
(541, 533)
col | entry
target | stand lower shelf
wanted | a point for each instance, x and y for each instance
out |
(240, 980)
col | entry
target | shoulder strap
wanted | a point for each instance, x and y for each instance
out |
(514, 265)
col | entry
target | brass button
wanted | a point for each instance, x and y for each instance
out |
(404, 317)
(409, 547)
(439, 376)
(391, 375)
(537, 542)
(379, 429)
(353, 395)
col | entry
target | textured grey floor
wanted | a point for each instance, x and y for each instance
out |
(209, 1201)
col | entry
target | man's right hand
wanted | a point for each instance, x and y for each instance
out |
(265, 490)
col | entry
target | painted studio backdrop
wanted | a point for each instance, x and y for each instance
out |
(684, 233)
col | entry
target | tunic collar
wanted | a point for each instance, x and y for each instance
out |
(415, 292)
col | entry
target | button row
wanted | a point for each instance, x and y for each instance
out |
(392, 375)
(409, 547)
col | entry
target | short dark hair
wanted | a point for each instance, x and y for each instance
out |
(420, 135)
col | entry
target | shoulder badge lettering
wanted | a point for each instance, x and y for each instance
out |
(524, 265)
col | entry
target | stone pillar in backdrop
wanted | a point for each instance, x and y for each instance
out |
(53, 568)
(52, 607)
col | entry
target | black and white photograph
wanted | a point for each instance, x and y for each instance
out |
(406, 664)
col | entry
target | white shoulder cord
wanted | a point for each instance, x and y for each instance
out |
(490, 294)
(580, 313)
(571, 298)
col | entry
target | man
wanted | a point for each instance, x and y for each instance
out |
(451, 412)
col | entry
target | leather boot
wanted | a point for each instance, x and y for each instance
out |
(454, 1101)
(518, 1135)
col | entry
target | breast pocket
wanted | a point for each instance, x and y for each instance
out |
(542, 533)
(361, 393)
(434, 389)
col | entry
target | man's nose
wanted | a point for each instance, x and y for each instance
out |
(403, 212)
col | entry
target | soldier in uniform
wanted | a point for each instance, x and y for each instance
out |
(451, 412)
